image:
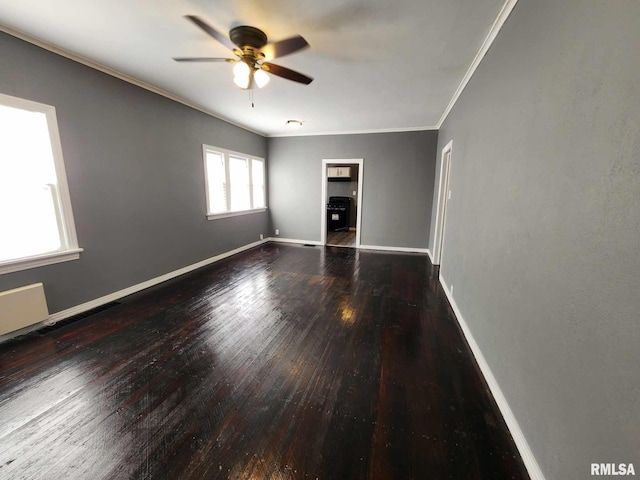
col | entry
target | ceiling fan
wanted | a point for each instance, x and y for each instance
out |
(253, 53)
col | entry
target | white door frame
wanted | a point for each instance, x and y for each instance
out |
(444, 194)
(323, 206)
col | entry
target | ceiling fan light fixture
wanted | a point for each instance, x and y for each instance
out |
(251, 48)
(294, 123)
(242, 74)
(241, 69)
(242, 82)
(261, 78)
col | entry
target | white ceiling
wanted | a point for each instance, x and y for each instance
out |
(378, 65)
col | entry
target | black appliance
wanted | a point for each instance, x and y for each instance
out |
(338, 214)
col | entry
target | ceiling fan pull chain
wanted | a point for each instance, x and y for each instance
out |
(251, 93)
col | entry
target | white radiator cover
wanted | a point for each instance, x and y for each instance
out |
(22, 307)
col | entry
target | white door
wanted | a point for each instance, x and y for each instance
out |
(444, 195)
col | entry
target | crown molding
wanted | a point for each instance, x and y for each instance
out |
(119, 75)
(486, 45)
(354, 132)
(491, 36)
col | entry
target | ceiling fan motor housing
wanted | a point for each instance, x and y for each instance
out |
(247, 44)
(245, 36)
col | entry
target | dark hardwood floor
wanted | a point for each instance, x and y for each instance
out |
(341, 239)
(283, 362)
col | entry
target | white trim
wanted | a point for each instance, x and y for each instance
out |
(25, 104)
(69, 249)
(226, 156)
(491, 36)
(443, 183)
(119, 75)
(17, 264)
(486, 45)
(430, 255)
(71, 239)
(215, 216)
(293, 240)
(355, 132)
(323, 197)
(395, 249)
(512, 424)
(24, 331)
(69, 312)
(362, 247)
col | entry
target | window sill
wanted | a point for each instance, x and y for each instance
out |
(215, 216)
(9, 266)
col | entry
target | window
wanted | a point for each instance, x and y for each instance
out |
(36, 221)
(235, 183)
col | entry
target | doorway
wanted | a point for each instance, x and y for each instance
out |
(341, 202)
(444, 195)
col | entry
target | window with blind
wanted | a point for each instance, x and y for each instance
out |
(35, 210)
(235, 182)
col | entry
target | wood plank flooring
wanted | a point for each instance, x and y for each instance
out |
(283, 362)
(341, 239)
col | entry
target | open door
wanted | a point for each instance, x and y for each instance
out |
(341, 202)
(444, 195)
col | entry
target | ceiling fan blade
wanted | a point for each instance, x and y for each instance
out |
(286, 73)
(211, 31)
(284, 47)
(203, 59)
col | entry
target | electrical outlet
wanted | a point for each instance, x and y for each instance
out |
(277, 232)
(451, 289)
(355, 193)
(261, 237)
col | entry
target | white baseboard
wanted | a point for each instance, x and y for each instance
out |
(362, 247)
(23, 331)
(395, 249)
(512, 424)
(293, 240)
(70, 312)
(516, 432)
(430, 255)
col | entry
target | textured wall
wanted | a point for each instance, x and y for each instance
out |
(543, 228)
(135, 171)
(397, 183)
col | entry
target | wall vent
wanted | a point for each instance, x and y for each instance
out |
(80, 316)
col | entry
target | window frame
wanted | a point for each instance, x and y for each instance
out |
(69, 249)
(225, 153)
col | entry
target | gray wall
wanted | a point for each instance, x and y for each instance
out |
(397, 184)
(135, 171)
(543, 229)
